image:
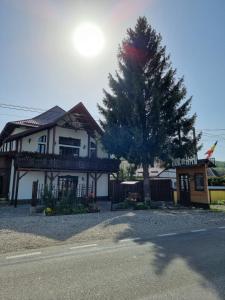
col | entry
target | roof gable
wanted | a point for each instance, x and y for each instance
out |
(49, 116)
(82, 120)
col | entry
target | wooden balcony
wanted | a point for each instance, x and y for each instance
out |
(48, 162)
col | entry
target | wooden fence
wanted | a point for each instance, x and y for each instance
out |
(161, 190)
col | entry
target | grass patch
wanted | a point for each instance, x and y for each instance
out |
(217, 208)
(218, 202)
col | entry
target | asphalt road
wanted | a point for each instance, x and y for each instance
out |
(170, 266)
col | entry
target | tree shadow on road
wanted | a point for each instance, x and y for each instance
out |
(203, 256)
(203, 253)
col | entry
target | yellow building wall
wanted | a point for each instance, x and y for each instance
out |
(217, 195)
(175, 197)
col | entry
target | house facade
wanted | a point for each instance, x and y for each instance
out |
(56, 148)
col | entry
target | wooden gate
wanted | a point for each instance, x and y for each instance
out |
(161, 190)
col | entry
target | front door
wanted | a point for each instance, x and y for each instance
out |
(1, 185)
(4, 184)
(184, 189)
(67, 184)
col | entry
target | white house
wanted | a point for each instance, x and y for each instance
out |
(57, 147)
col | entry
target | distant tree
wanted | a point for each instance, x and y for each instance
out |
(131, 169)
(146, 114)
(126, 171)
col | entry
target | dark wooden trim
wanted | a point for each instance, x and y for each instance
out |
(48, 139)
(52, 177)
(89, 141)
(13, 185)
(17, 145)
(20, 146)
(87, 184)
(53, 162)
(46, 177)
(21, 176)
(53, 140)
(17, 188)
(108, 186)
(99, 175)
(95, 182)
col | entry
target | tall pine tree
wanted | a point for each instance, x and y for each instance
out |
(146, 114)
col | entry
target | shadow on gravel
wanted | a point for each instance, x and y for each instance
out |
(204, 255)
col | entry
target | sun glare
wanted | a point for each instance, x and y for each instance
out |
(88, 40)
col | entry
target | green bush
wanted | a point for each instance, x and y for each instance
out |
(48, 198)
(218, 202)
(140, 206)
(216, 181)
(122, 205)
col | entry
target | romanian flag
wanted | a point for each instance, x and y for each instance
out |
(209, 153)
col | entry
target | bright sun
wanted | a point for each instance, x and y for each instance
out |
(88, 40)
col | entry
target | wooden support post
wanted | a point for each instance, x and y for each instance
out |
(48, 140)
(34, 193)
(17, 145)
(46, 177)
(13, 184)
(53, 141)
(95, 182)
(108, 186)
(88, 145)
(87, 185)
(17, 185)
(17, 188)
(20, 146)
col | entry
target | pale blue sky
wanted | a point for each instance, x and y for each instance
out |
(40, 68)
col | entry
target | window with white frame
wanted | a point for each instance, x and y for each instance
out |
(93, 150)
(42, 144)
(69, 147)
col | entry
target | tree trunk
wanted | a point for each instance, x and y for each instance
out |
(146, 187)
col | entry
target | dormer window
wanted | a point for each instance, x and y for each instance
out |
(42, 144)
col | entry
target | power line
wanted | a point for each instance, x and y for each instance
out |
(25, 108)
(19, 107)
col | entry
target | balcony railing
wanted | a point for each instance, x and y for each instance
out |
(35, 161)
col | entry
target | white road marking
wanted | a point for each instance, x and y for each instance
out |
(198, 230)
(83, 246)
(129, 240)
(221, 227)
(167, 234)
(23, 255)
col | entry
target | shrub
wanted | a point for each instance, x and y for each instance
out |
(48, 198)
(218, 202)
(49, 211)
(140, 206)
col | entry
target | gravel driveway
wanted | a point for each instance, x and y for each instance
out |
(19, 230)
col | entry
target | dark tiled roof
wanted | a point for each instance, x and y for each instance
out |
(45, 118)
